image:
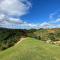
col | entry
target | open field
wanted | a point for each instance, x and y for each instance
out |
(31, 49)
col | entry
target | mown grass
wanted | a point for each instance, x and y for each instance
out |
(31, 49)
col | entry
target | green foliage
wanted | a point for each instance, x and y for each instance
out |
(31, 49)
(52, 36)
(8, 37)
(58, 35)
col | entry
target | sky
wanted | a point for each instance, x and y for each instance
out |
(27, 14)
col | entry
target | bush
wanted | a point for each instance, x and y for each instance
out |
(51, 36)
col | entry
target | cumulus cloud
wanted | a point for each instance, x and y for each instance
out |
(54, 19)
(17, 8)
(14, 7)
(45, 25)
(57, 20)
(53, 23)
(55, 15)
(10, 8)
(52, 15)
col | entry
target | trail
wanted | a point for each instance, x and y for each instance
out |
(20, 41)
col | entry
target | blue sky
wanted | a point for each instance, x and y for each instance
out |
(26, 14)
(41, 9)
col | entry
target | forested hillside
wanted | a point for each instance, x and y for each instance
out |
(8, 37)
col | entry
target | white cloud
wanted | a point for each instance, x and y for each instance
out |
(52, 14)
(54, 19)
(15, 20)
(18, 8)
(55, 15)
(14, 7)
(58, 20)
(53, 23)
(10, 8)
(45, 25)
(34, 26)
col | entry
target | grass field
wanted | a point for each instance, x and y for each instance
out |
(31, 49)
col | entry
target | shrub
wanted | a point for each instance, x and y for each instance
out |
(51, 36)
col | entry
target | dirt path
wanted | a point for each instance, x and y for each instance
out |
(20, 41)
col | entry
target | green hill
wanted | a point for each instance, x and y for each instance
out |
(31, 49)
(8, 37)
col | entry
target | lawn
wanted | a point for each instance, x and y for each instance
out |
(31, 49)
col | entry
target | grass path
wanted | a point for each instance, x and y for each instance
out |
(31, 49)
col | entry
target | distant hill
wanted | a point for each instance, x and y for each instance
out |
(8, 37)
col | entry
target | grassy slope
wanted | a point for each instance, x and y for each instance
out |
(31, 49)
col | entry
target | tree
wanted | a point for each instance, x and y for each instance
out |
(52, 36)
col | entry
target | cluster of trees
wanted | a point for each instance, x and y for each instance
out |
(44, 35)
(8, 37)
(54, 36)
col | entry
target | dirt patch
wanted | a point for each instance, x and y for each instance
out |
(20, 41)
